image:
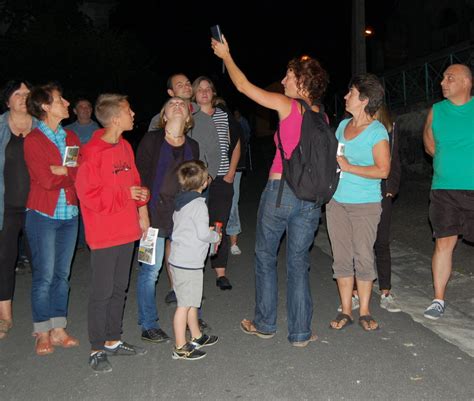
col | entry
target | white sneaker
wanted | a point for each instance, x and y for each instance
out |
(355, 303)
(235, 250)
(388, 302)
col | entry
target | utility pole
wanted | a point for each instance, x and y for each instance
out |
(359, 64)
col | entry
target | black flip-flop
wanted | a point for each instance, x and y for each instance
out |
(341, 317)
(367, 319)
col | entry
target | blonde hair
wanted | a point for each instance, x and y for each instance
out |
(188, 124)
(192, 175)
(108, 106)
(384, 116)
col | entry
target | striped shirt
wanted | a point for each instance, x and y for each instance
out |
(63, 211)
(221, 121)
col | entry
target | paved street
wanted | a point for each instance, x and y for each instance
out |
(409, 358)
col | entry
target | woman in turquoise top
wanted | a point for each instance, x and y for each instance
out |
(354, 212)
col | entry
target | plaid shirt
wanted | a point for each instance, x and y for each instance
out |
(63, 211)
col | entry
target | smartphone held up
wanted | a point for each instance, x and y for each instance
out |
(217, 35)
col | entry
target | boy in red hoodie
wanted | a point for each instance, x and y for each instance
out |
(113, 206)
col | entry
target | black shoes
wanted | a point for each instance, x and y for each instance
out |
(125, 349)
(223, 283)
(170, 297)
(204, 341)
(155, 336)
(203, 325)
(189, 352)
(99, 362)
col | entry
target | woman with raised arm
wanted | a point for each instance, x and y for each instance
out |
(306, 80)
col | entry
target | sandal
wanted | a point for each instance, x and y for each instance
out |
(346, 320)
(65, 342)
(5, 326)
(366, 321)
(248, 327)
(43, 346)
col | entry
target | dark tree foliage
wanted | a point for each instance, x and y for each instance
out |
(45, 40)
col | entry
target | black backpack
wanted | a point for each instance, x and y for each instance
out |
(311, 171)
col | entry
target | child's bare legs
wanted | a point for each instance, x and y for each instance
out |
(185, 316)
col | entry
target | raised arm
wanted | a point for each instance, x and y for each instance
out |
(428, 138)
(271, 100)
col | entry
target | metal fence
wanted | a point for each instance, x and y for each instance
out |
(414, 83)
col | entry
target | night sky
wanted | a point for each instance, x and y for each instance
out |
(262, 36)
(166, 37)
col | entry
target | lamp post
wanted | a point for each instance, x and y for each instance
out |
(359, 63)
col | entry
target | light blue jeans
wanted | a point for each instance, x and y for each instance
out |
(146, 289)
(233, 225)
(300, 220)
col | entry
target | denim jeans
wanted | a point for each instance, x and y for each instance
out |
(233, 225)
(146, 289)
(300, 220)
(52, 244)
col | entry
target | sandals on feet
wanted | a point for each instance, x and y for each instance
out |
(66, 342)
(248, 327)
(346, 320)
(367, 321)
(43, 346)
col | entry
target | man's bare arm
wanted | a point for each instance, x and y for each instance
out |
(428, 139)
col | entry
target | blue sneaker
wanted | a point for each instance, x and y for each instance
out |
(434, 311)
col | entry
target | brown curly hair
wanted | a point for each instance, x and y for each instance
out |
(310, 76)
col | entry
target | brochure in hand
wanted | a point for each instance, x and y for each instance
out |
(147, 247)
(70, 156)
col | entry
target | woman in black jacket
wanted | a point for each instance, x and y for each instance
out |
(158, 156)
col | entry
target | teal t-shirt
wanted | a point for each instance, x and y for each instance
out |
(453, 132)
(353, 188)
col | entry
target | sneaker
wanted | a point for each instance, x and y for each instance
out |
(434, 311)
(155, 336)
(22, 268)
(235, 250)
(388, 302)
(189, 352)
(203, 325)
(223, 283)
(355, 303)
(170, 297)
(204, 341)
(99, 362)
(125, 349)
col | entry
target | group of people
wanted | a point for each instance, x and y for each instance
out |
(358, 215)
(182, 182)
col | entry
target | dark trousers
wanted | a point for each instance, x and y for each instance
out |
(383, 259)
(220, 203)
(109, 284)
(13, 223)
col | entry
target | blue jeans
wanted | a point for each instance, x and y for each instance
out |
(52, 244)
(146, 289)
(233, 225)
(300, 220)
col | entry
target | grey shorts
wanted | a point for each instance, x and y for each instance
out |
(352, 230)
(187, 285)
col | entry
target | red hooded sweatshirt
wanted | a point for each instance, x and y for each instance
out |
(105, 175)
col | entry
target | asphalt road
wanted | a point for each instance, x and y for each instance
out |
(404, 360)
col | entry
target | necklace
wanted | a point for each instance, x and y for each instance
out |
(172, 135)
(20, 128)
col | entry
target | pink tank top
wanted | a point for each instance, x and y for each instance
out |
(290, 131)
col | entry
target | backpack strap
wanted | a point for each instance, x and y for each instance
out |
(282, 180)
